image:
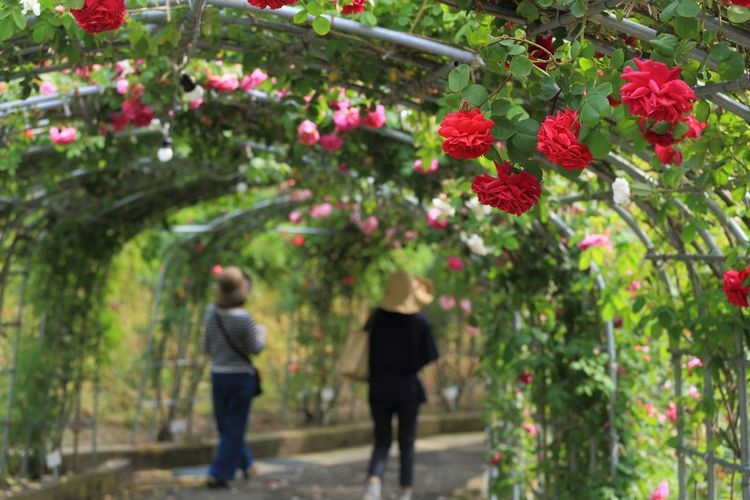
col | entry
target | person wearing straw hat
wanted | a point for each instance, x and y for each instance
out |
(230, 338)
(401, 344)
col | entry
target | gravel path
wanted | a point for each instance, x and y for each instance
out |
(444, 464)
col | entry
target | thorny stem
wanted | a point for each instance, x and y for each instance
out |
(418, 17)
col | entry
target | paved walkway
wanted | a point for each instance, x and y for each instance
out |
(444, 465)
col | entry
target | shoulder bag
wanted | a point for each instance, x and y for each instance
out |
(236, 350)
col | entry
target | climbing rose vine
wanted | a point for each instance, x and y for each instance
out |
(467, 134)
(558, 141)
(511, 192)
(100, 15)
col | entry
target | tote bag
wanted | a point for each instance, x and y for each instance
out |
(353, 362)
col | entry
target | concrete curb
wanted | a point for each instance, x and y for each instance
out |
(106, 479)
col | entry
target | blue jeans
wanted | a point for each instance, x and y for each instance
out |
(231, 394)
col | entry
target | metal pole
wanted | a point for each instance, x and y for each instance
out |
(742, 396)
(14, 368)
(349, 26)
(709, 457)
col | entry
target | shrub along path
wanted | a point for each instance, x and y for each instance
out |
(444, 465)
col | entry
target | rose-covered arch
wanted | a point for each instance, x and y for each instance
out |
(693, 213)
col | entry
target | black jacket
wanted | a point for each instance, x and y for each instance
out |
(400, 346)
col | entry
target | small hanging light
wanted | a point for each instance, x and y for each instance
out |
(193, 91)
(165, 152)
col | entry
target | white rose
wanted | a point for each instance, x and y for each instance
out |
(477, 208)
(476, 244)
(621, 191)
(31, 5)
(445, 207)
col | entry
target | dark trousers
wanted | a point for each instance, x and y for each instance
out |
(407, 434)
(231, 394)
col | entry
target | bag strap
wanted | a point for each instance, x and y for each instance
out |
(236, 350)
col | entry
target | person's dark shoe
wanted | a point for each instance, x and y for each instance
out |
(216, 484)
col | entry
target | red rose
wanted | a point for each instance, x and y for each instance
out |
(119, 121)
(100, 15)
(466, 134)
(655, 91)
(143, 117)
(511, 192)
(331, 142)
(695, 127)
(558, 141)
(733, 287)
(667, 155)
(356, 7)
(271, 4)
(741, 3)
(540, 57)
(665, 139)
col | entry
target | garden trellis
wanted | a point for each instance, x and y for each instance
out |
(691, 224)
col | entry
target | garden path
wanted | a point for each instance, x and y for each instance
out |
(445, 464)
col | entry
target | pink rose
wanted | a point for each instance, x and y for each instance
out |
(410, 235)
(419, 167)
(307, 133)
(465, 305)
(249, 82)
(436, 218)
(217, 269)
(661, 492)
(331, 142)
(447, 302)
(375, 119)
(369, 225)
(295, 216)
(596, 240)
(122, 86)
(63, 135)
(693, 362)
(671, 412)
(300, 195)
(47, 88)
(321, 211)
(195, 104)
(224, 83)
(455, 263)
(346, 118)
(530, 428)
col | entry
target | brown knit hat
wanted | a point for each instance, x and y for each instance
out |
(406, 294)
(234, 286)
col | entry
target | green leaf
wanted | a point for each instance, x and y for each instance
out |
(528, 10)
(458, 78)
(19, 19)
(680, 129)
(737, 14)
(665, 44)
(520, 66)
(688, 8)
(598, 144)
(500, 107)
(475, 94)
(321, 25)
(479, 37)
(702, 110)
(525, 138)
(314, 8)
(617, 58)
(300, 17)
(7, 28)
(732, 68)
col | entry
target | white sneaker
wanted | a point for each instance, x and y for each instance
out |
(372, 492)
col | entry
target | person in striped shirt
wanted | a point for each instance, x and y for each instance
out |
(230, 338)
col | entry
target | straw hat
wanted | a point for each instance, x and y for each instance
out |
(234, 286)
(406, 294)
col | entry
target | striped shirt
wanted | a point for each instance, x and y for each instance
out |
(241, 329)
